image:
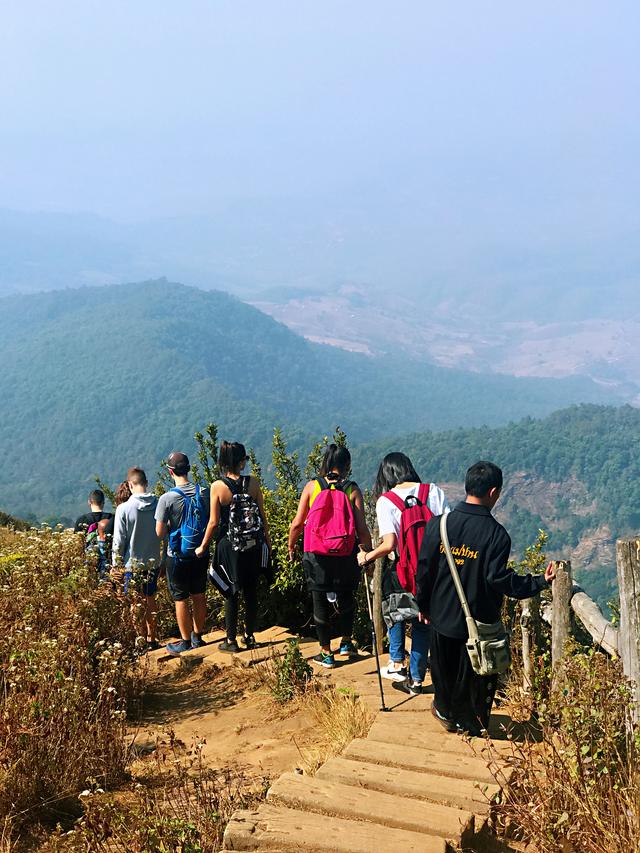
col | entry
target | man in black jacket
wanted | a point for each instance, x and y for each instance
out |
(480, 548)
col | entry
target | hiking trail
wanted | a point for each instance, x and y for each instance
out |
(408, 784)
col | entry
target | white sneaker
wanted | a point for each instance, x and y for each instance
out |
(394, 674)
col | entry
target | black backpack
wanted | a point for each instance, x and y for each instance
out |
(246, 528)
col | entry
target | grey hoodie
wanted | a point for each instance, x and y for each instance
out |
(134, 535)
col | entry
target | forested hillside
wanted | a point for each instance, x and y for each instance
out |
(95, 379)
(575, 473)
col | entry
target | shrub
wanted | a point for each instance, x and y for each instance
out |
(66, 673)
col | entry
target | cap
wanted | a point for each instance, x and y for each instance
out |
(178, 462)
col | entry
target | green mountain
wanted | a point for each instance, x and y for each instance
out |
(96, 379)
(575, 474)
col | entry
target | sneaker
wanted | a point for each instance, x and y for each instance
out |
(196, 640)
(413, 688)
(230, 646)
(394, 674)
(177, 648)
(446, 722)
(249, 641)
(152, 645)
(349, 649)
(324, 659)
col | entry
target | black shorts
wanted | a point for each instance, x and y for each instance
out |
(186, 577)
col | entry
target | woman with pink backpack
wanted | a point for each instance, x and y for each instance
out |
(403, 507)
(331, 514)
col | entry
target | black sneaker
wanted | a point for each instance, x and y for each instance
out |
(412, 688)
(446, 722)
(229, 646)
(249, 642)
(324, 659)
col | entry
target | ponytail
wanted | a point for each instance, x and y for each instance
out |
(231, 456)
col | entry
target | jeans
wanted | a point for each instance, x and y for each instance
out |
(420, 642)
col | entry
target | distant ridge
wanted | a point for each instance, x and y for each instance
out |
(96, 378)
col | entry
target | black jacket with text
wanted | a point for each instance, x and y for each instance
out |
(480, 547)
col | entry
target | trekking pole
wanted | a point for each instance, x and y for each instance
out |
(374, 640)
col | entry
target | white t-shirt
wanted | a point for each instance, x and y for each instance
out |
(389, 515)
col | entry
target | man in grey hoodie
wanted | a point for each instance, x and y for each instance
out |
(137, 548)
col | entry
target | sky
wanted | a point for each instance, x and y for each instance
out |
(491, 125)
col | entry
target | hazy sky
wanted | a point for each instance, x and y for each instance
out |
(485, 123)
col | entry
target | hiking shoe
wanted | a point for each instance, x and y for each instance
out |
(249, 641)
(196, 640)
(177, 648)
(412, 688)
(446, 722)
(324, 659)
(348, 649)
(228, 645)
(152, 645)
(394, 674)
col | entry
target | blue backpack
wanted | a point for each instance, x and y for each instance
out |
(186, 538)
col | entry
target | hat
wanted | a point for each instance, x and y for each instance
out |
(178, 462)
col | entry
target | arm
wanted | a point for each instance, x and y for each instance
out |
(504, 580)
(119, 545)
(214, 521)
(162, 529)
(386, 546)
(256, 493)
(297, 525)
(362, 530)
(161, 516)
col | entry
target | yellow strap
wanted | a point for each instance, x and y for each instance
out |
(317, 488)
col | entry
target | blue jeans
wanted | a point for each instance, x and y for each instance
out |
(420, 642)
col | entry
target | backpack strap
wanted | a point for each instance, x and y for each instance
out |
(234, 486)
(324, 485)
(179, 491)
(395, 499)
(423, 493)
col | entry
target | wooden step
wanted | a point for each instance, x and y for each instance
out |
(276, 828)
(427, 733)
(325, 796)
(449, 764)
(457, 793)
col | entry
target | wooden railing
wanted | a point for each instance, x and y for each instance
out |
(570, 601)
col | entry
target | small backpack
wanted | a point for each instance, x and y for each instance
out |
(185, 539)
(413, 519)
(331, 528)
(92, 539)
(246, 528)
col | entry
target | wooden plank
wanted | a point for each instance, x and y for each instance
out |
(290, 831)
(326, 796)
(458, 793)
(448, 764)
(428, 734)
(601, 630)
(561, 611)
(628, 566)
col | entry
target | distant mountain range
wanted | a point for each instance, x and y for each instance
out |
(98, 378)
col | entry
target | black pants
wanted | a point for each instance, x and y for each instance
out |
(333, 619)
(250, 593)
(460, 694)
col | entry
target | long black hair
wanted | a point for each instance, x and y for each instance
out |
(336, 458)
(395, 468)
(231, 456)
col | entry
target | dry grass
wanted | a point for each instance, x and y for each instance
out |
(340, 717)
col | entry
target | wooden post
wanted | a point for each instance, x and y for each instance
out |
(628, 565)
(561, 611)
(525, 626)
(378, 621)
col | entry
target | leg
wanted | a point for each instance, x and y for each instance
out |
(199, 609)
(322, 618)
(396, 645)
(483, 690)
(420, 642)
(347, 613)
(183, 618)
(445, 667)
(250, 606)
(231, 615)
(151, 618)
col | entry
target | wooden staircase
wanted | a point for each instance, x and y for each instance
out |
(407, 786)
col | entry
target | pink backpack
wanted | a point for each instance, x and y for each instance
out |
(413, 519)
(331, 529)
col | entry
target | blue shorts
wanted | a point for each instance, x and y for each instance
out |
(142, 580)
(187, 577)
